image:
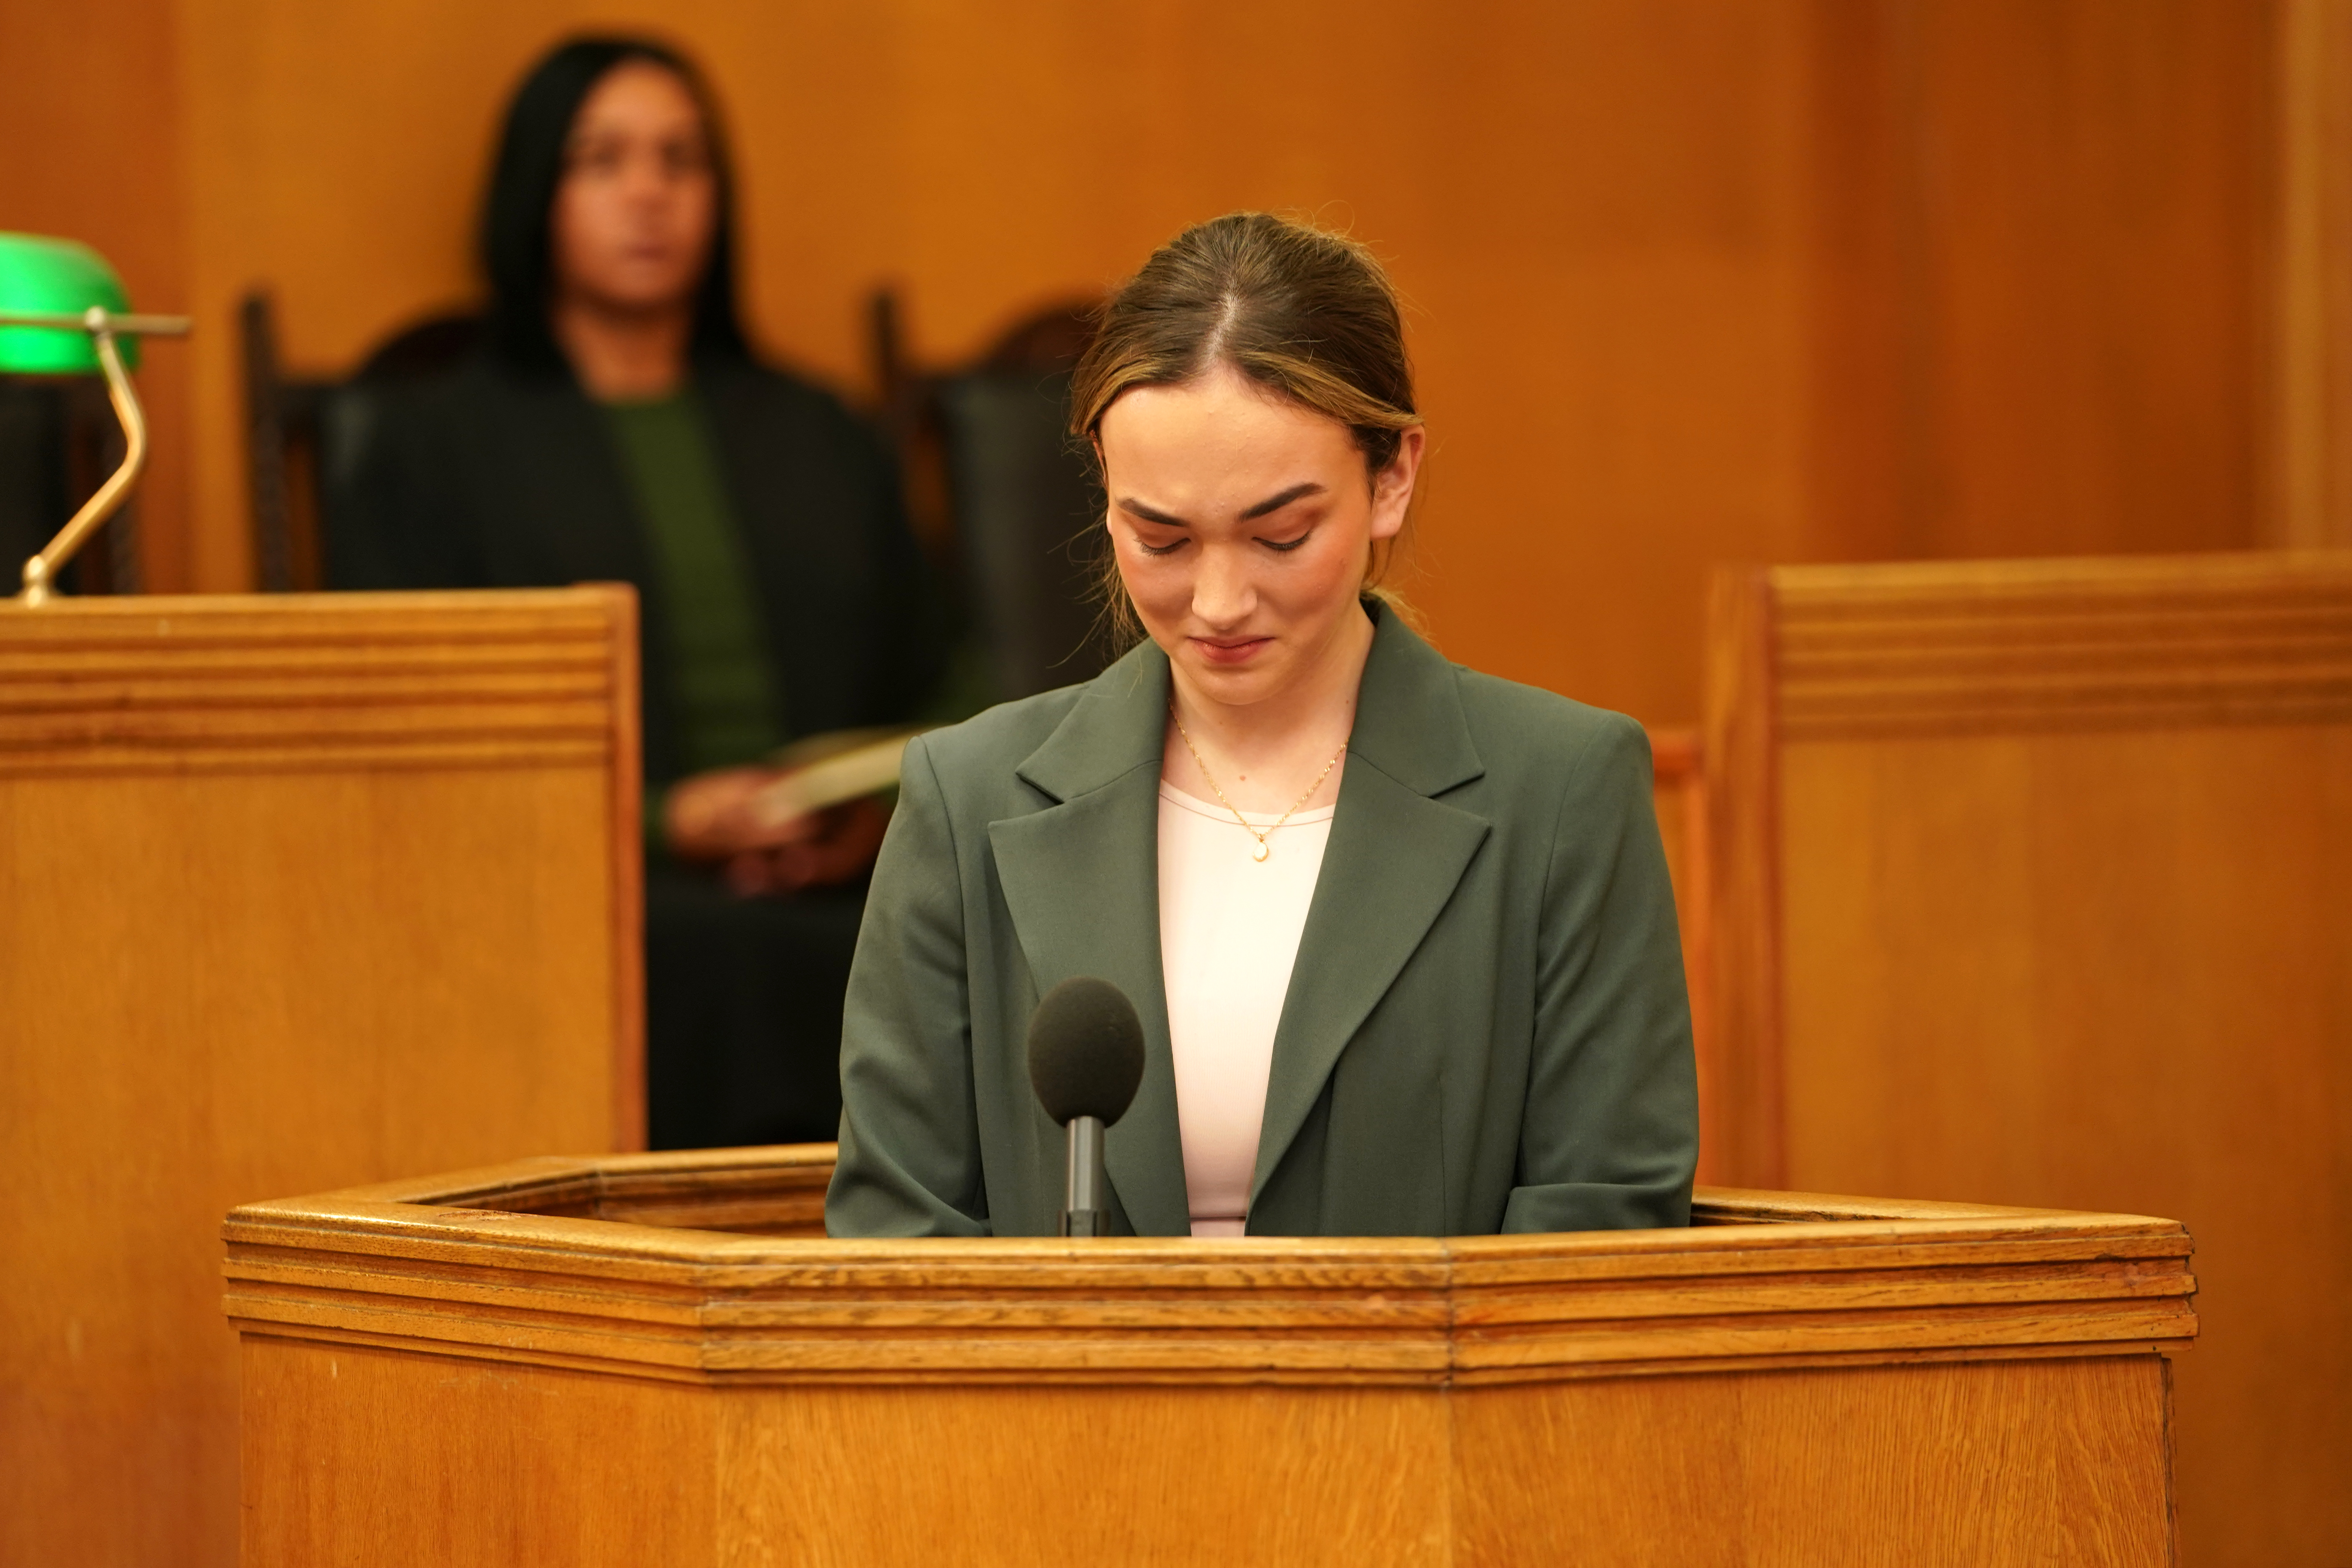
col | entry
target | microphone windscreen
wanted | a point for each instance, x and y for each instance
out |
(1085, 1051)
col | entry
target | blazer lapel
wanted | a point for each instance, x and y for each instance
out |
(1081, 880)
(1394, 857)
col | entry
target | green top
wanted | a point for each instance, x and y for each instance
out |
(726, 694)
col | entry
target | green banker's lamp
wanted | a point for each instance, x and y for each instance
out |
(63, 312)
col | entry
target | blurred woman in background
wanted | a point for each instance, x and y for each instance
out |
(614, 426)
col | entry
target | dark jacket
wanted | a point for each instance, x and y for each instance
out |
(491, 477)
(1485, 1030)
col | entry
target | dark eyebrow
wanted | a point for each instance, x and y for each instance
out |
(1151, 514)
(1272, 503)
(1276, 502)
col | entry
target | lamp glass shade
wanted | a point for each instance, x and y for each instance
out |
(40, 275)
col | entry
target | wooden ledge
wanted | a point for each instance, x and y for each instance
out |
(712, 1266)
(1936, 648)
(242, 682)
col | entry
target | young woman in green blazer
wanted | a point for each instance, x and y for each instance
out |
(1399, 934)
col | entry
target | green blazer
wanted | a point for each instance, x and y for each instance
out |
(1486, 1028)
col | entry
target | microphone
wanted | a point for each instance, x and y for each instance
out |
(1085, 1059)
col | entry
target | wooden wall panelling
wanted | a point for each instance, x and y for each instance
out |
(2040, 262)
(2063, 851)
(1592, 209)
(1791, 279)
(1794, 1378)
(2313, 303)
(1743, 1120)
(289, 889)
(1679, 796)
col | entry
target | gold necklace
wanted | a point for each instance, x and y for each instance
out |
(1264, 849)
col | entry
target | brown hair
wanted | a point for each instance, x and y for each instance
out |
(1308, 315)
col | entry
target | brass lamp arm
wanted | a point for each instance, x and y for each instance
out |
(103, 326)
(118, 323)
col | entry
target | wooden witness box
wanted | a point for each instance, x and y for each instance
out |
(296, 891)
(657, 1358)
(2032, 882)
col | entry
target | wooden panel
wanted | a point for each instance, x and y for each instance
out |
(2057, 1461)
(2044, 261)
(476, 1464)
(1023, 1476)
(468, 1466)
(399, 1459)
(2064, 852)
(289, 891)
(1679, 797)
(2313, 317)
(1743, 1120)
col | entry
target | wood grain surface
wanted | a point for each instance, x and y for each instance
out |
(304, 683)
(292, 892)
(552, 1262)
(512, 1365)
(1678, 794)
(2065, 861)
(1929, 1467)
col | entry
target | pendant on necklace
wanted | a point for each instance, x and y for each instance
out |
(1263, 850)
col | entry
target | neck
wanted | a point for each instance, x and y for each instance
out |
(623, 355)
(1263, 753)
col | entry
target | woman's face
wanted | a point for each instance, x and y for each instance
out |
(638, 200)
(1243, 524)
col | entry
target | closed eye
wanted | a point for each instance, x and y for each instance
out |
(1170, 548)
(1286, 545)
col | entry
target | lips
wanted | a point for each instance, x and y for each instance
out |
(1230, 650)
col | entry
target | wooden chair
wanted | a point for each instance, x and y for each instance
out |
(301, 433)
(1000, 494)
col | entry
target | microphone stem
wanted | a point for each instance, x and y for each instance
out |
(1086, 1212)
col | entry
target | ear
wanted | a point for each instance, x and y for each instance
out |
(1392, 486)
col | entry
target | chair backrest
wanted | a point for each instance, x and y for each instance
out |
(1023, 506)
(1002, 494)
(306, 435)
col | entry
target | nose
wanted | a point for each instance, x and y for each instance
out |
(647, 179)
(1224, 594)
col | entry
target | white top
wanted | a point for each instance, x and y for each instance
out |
(1229, 929)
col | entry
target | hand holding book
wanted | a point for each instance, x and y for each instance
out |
(810, 816)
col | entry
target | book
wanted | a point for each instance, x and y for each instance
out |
(829, 769)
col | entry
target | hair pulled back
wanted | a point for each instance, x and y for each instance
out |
(1307, 314)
